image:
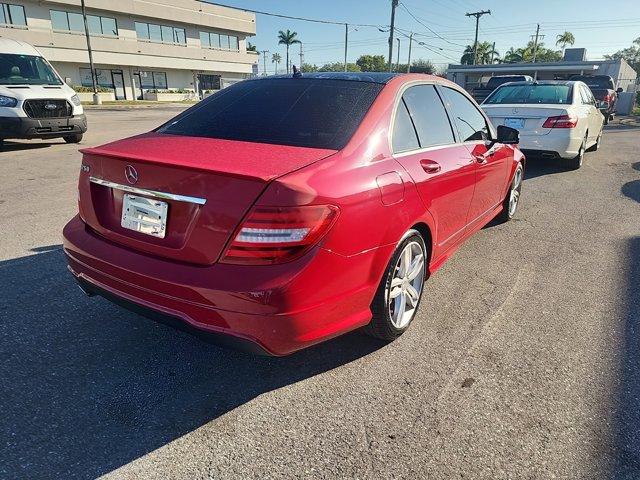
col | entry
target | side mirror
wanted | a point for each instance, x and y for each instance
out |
(508, 135)
(619, 90)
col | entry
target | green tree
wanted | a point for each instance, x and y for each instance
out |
(339, 67)
(486, 54)
(308, 67)
(422, 66)
(287, 39)
(276, 58)
(513, 56)
(372, 63)
(630, 54)
(564, 39)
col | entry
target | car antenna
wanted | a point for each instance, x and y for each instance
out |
(296, 73)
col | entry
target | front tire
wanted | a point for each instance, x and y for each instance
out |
(77, 138)
(512, 199)
(400, 291)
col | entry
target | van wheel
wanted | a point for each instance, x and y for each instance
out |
(1, 143)
(398, 297)
(77, 138)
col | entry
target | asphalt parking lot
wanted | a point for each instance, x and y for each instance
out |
(523, 362)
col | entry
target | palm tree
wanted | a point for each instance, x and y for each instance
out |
(276, 58)
(485, 54)
(565, 39)
(513, 55)
(251, 47)
(287, 39)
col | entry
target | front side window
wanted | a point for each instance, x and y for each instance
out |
(468, 120)
(26, 70)
(428, 115)
(304, 112)
(12, 15)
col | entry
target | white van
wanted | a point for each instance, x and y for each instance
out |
(34, 101)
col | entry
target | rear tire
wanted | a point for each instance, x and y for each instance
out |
(400, 291)
(576, 162)
(77, 138)
(512, 199)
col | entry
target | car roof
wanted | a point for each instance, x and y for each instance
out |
(16, 47)
(371, 77)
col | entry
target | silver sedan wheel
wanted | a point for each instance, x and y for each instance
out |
(403, 293)
(515, 192)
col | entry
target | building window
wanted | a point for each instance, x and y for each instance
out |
(219, 41)
(12, 15)
(160, 33)
(155, 80)
(73, 22)
(103, 77)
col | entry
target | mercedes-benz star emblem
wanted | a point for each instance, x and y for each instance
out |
(515, 110)
(131, 174)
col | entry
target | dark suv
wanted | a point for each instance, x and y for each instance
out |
(604, 89)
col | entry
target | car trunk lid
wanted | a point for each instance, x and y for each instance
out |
(530, 117)
(208, 186)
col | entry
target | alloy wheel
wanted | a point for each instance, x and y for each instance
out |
(516, 187)
(405, 288)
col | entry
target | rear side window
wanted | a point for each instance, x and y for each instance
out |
(316, 113)
(469, 122)
(404, 136)
(429, 116)
(532, 94)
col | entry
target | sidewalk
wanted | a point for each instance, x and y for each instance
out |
(130, 104)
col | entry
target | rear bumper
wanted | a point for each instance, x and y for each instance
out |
(25, 127)
(273, 309)
(553, 145)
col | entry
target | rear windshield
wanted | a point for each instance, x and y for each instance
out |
(495, 82)
(317, 113)
(537, 94)
(596, 82)
(26, 70)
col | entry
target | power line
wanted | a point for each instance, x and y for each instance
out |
(427, 26)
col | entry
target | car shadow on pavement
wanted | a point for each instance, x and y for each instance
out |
(88, 387)
(627, 398)
(632, 190)
(18, 146)
(538, 167)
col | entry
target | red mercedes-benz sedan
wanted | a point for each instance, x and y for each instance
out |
(284, 211)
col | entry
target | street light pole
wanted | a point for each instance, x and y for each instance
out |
(264, 61)
(398, 56)
(96, 96)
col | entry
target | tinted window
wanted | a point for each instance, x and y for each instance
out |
(495, 82)
(532, 93)
(289, 111)
(469, 122)
(26, 69)
(429, 116)
(404, 134)
(602, 82)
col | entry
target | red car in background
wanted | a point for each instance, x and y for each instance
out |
(283, 211)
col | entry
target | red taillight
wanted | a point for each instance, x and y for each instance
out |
(607, 98)
(279, 234)
(561, 121)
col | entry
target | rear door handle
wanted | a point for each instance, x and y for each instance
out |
(430, 166)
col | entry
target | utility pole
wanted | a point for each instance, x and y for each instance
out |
(535, 39)
(409, 58)
(301, 56)
(346, 42)
(264, 61)
(394, 4)
(96, 96)
(475, 43)
(398, 57)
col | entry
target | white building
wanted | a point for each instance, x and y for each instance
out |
(138, 45)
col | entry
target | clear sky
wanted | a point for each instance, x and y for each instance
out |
(599, 26)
